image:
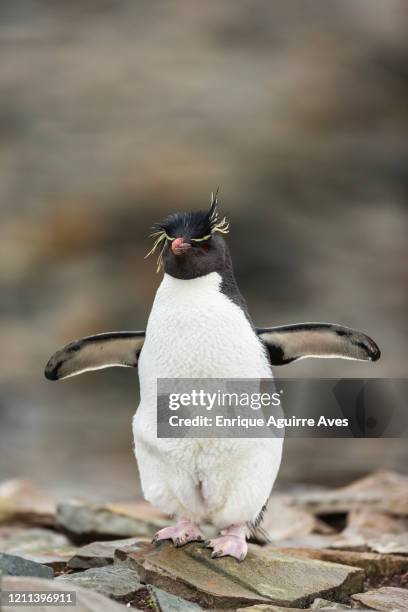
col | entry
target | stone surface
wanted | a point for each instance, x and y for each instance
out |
(366, 530)
(386, 598)
(41, 545)
(282, 520)
(313, 540)
(86, 600)
(166, 602)
(325, 604)
(98, 554)
(86, 522)
(376, 521)
(322, 605)
(353, 541)
(386, 491)
(118, 582)
(269, 608)
(374, 565)
(22, 539)
(374, 530)
(389, 544)
(264, 577)
(56, 558)
(21, 500)
(12, 565)
(369, 540)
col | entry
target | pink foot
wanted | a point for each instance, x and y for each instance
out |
(232, 542)
(181, 533)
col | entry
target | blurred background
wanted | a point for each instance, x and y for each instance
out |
(115, 114)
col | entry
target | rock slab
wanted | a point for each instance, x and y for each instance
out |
(119, 583)
(166, 602)
(374, 565)
(283, 521)
(266, 577)
(383, 490)
(12, 565)
(98, 554)
(87, 522)
(40, 545)
(388, 599)
(86, 600)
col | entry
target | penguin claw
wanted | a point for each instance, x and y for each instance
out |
(228, 545)
(180, 534)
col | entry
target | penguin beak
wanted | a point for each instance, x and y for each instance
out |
(180, 246)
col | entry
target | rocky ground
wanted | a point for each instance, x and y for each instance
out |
(341, 548)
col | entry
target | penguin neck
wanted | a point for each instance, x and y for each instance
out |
(208, 282)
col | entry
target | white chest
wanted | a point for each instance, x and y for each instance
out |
(196, 331)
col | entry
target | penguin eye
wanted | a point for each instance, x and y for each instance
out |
(205, 247)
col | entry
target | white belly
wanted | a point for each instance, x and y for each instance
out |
(195, 331)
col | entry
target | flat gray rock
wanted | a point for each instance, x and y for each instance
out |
(323, 608)
(376, 520)
(387, 599)
(265, 577)
(12, 565)
(374, 565)
(117, 582)
(56, 558)
(98, 554)
(319, 604)
(324, 604)
(86, 600)
(282, 520)
(166, 602)
(389, 544)
(367, 529)
(374, 530)
(35, 544)
(87, 522)
(270, 608)
(386, 491)
(384, 543)
(313, 540)
(22, 539)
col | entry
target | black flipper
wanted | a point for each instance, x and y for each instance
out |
(96, 352)
(291, 342)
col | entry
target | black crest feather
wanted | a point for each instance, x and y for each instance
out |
(192, 225)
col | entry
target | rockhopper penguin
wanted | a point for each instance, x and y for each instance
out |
(199, 327)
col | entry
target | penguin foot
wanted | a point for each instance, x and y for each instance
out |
(182, 533)
(231, 542)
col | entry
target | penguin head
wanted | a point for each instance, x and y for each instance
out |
(190, 244)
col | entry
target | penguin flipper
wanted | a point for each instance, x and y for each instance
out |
(94, 353)
(290, 342)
